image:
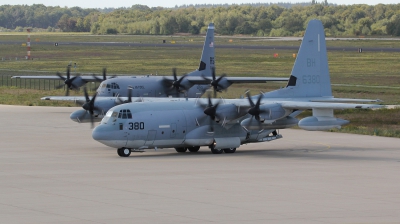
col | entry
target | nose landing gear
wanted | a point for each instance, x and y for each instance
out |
(124, 152)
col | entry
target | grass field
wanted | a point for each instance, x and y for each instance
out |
(353, 75)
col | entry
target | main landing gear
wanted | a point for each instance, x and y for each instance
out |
(191, 149)
(124, 152)
(219, 151)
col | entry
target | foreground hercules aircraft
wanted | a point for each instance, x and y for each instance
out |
(193, 84)
(224, 125)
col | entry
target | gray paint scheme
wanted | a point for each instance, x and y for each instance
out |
(309, 83)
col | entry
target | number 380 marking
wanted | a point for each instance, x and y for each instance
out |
(136, 125)
(310, 79)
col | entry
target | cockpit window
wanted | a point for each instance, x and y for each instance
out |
(111, 86)
(125, 114)
(108, 115)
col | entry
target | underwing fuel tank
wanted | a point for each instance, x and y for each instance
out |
(321, 123)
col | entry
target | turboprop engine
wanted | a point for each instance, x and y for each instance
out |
(321, 123)
(268, 116)
(286, 122)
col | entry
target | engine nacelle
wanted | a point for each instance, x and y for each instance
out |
(274, 111)
(227, 111)
(82, 116)
(253, 124)
(321, 123)
(223, 84)
(185, 85)
(78, 82)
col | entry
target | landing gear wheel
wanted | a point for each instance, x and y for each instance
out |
(183, 149)
(194, 149)
(124, 152)
(216, 151)
(230, 150)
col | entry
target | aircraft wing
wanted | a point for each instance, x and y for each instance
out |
(303, 105)
(201, 81)
(255, 79)
(65, 98)
(85, 78)
(347, 100)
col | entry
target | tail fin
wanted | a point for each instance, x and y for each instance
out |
(207, 60)
(310, 73)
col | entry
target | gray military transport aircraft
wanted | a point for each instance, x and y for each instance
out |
(193, 84)
(224, 125)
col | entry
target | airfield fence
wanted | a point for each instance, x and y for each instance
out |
(39, 84)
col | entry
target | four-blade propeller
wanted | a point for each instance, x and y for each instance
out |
(211, 111)
(175, 85)
(89, 106)
(68, 81)
(215, 82)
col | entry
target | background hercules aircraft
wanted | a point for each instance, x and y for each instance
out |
(223, 125)
(190, 85)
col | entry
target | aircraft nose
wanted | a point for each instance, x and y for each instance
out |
(101, 132)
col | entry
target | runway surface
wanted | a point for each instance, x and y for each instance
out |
(183, 45)
(52, 171)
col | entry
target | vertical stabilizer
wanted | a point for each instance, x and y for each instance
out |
(207, 63)
(207, 60)
(310, 73)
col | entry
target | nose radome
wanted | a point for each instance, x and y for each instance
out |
(100, 132)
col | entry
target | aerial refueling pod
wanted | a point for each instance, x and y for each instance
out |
(321, 123)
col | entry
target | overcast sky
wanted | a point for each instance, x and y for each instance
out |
(163, 3)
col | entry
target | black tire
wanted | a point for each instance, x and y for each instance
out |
(183, 149)
(217, 151)
(119, 152)
(194, 149)
(230, 150)
(124, 152)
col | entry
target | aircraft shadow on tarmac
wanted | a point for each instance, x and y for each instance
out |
(314, 154)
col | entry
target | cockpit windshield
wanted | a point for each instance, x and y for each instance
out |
(110, 85)
(122, 114)
(125, 114)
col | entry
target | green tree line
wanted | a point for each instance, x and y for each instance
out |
(250, 19)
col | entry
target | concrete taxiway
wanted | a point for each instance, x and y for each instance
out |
(52, 171)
